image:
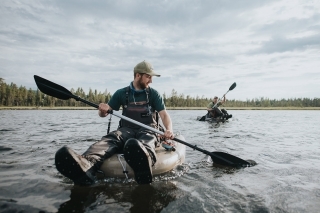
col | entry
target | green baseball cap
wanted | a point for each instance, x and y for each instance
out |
(145, 67)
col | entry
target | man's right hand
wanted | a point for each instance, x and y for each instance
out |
(103, 109)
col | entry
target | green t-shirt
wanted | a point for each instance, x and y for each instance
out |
(119, 99)
(211, 104)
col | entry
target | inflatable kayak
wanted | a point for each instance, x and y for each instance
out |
(213, 120)
(168, 157)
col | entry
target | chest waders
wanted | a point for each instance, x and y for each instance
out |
(142, 112)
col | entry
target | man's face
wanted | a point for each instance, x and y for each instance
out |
(144, 81)
(215, 99)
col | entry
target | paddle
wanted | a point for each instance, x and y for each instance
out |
(60, 92)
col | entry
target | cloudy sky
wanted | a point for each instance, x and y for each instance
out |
(271, 49)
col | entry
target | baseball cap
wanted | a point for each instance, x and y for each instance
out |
(145, 67)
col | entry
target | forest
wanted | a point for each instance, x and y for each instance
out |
(11, 95)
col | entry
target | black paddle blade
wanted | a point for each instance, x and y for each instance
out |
(233, 86)
(203, 118)
(226, 159)
(52, 89)
(221, 158)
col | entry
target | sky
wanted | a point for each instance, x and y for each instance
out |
(270, 48)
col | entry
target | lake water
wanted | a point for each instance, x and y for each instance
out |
(285, 145)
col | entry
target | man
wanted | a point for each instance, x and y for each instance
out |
(139, 102)
(215, 112)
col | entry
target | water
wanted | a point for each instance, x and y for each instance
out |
(285, 145)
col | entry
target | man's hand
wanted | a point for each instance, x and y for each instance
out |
(168, 134)
(103, 109)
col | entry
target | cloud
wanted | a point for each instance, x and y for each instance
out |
(199, 48)
(282, 44)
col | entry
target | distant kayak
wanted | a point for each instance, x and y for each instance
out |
(216, 120)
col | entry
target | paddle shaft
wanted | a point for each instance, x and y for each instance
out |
(60, 92)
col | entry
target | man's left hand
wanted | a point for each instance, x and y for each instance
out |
(168, 134)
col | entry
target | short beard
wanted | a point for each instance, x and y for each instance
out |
(141, 84)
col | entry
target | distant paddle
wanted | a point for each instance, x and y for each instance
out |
(232, 86)
(60, 92)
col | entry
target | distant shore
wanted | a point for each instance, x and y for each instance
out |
(168, 108)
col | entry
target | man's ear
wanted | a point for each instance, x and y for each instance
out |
(136, 75)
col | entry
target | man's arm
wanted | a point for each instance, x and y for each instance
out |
(224, 99)
(166, 120)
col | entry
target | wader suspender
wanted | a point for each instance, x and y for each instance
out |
(126, 105)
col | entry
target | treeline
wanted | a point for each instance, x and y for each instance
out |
(12, 95)
(180, 100)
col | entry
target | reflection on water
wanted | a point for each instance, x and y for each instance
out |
(121, 198)
(286, 178)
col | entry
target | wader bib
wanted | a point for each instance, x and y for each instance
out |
(138, 111)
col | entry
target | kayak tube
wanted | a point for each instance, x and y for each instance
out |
(167, 160)
(213, 120)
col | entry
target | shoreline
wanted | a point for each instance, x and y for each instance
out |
(168, 108)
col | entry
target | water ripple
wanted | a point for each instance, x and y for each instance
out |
(286, 178)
